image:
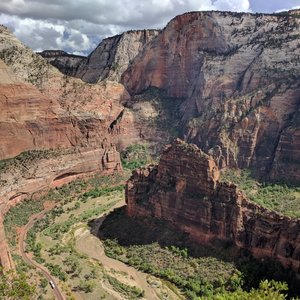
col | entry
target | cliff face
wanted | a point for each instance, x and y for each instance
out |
(239, 74)
(184, 189)
(32, 120)
(41, 108)
(31, 176)
(113, 56)
(66, 63)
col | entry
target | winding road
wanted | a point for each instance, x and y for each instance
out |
(56, 291)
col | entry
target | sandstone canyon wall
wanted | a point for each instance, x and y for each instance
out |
(113, 56)
(239, 74)
(70, 122)
(185, 189)
(42, 108)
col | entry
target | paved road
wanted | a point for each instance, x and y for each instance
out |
(57, 293)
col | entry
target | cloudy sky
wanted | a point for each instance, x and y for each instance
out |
(77, 26)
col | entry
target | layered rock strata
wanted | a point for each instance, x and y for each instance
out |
(42, 109)
(70, 112)
(239, 74)
(34, 178)
(185, 189)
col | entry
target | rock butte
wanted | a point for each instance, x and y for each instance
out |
(184, 189)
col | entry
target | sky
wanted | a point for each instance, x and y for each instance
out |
(77, 26)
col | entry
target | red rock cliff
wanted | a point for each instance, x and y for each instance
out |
(184, 189)
(113, 56)
(239, 74)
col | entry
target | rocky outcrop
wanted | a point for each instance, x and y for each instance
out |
(108, 61)
(32, 176)
(184, 189)
(239, 74)
(66, 63)
(113, 56)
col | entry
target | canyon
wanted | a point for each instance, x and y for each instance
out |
(226, 82)
(237, 74)
(184, 189)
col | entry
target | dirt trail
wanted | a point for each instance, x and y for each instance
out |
(90, 245)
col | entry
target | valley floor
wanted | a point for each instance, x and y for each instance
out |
(63, 243)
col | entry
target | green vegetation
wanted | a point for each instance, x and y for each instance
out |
(14, 286)
(26, 158)
(199, 271)
(131, 241)
(98, 192)
(267, 290)
(21, 266)
(57, 271)
(135, 156)
(87, 286)
(130, 292)
(276, 196)
(195, 276)
(51, 240)
(19, 215)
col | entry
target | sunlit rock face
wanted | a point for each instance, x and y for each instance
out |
(184, 189)
(113, 56)
(239, 74)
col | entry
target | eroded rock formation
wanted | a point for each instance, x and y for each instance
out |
(42, 109)
(113, 56)
(185, 189)
(239, 74)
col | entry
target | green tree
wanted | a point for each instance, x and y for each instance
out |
(86, 286)
(14, 286)
(267, 290)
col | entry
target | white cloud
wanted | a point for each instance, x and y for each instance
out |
(232, 5)
(48, 34)
(78, 25)
(285, 9)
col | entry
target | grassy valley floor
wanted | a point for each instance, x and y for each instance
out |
(139, 258)
(62, 241)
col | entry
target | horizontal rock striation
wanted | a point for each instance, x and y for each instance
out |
(28, 179)
(42, 109)
(239, 74)
(185, 189)
(35, 177)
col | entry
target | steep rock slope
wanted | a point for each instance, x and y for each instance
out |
(88, 112)
(67, 120)
(184, 189)
(30, 120)
(66, 63)
(113, 56)
(239, 74)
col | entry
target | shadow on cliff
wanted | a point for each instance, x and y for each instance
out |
(144, 231)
